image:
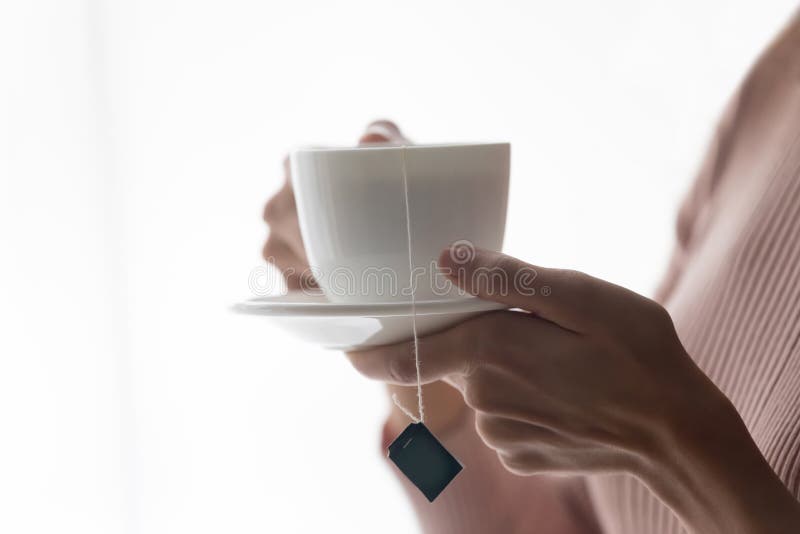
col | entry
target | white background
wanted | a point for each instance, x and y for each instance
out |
(138, 142)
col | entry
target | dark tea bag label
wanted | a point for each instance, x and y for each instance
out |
(424, 460)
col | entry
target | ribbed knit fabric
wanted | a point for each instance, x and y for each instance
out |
(733, 290)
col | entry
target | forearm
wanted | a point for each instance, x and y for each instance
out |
(485, 497)
(713, 476)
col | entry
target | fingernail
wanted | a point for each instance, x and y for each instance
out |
(379, 130)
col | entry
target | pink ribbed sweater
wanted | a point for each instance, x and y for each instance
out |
(733, 290)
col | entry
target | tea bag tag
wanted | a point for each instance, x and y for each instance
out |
(424, 460)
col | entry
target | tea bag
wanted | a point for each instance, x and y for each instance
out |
(423, 460)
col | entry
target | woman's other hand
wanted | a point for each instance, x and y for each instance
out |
(284, 246)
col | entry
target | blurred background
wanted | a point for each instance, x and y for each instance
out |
(138, 143)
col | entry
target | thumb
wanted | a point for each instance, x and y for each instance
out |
(571, 299)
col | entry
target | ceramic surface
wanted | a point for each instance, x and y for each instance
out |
(314, 318)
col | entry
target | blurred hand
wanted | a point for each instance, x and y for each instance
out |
(284, 247)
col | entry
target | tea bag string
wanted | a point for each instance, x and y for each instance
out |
(415, 346)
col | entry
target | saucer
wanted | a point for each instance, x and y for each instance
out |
(349, 326)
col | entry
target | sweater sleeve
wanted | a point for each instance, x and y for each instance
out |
(485, 497)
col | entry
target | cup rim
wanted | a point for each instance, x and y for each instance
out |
(395, 147)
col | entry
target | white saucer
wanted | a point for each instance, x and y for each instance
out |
(344, 326)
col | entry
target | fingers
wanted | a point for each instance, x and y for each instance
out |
(523, 449)
(571, 299)
(446, 353)
(501, 433)
(459, 354)
(282, 204)
(502, 394)
(382, 131)
(526, 449)
(280, 213)
(294, 268)
(285, 248)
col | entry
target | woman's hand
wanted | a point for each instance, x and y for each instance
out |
(591, 377)
(584, 379)
(284, 247)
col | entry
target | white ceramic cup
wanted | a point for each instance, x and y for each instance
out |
(352, 211)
